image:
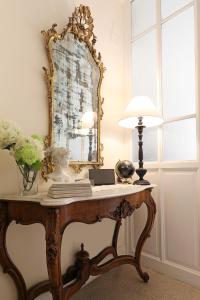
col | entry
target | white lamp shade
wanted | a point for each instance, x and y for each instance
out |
(88, 119)
(141, 106)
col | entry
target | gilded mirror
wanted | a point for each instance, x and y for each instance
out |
(74, 80)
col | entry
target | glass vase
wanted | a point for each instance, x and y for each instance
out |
(28, 181)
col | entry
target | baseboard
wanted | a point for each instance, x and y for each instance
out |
(172, 270)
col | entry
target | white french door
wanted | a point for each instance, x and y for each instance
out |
(166, 67)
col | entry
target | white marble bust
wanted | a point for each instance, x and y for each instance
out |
(60, 157)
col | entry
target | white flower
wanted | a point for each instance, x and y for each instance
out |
(9, 133)
(26, 150)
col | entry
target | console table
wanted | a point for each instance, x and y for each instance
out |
(113, 202)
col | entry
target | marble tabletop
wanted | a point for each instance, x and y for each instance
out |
(98, 192)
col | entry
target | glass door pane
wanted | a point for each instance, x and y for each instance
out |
(178, 65)
(179, 140)
(150, 144)
(170, 6)
(143, 15)
(144, 66)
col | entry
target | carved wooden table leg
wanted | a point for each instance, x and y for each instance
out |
(53, 253)
(115, 235)
(5, 261)
(151, 209)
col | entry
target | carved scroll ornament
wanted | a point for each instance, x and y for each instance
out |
(123, 210)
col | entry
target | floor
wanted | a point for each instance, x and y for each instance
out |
(123, 284)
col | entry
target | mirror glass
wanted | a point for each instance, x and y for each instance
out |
(75, 99)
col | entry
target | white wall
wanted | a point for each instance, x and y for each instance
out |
(23, 99)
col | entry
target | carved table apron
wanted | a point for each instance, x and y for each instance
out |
(56, 215)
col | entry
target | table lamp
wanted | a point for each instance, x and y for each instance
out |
(141, 113)
(87, 123)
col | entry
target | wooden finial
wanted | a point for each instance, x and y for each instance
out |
(82, 247)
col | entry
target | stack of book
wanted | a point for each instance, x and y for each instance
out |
(68, 190)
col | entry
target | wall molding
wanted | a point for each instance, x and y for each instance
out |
(173, 270)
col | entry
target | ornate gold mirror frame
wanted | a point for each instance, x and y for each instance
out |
(81, 26)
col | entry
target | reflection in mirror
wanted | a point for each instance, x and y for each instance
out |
(75, 96)
(74, 84)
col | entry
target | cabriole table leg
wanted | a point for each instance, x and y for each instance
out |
(151, 209)
(5, 261)
(53, 254)
(116, 235)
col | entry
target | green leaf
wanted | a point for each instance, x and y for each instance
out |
(37, 137)
(37, 165)
(19, 162)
